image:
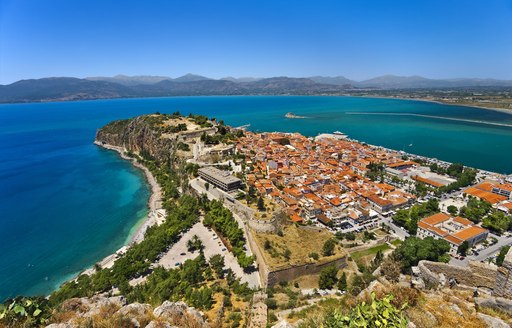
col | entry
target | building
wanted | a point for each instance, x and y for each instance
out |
(454, 230)
(220, 179)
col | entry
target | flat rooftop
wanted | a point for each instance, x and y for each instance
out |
(224, 176)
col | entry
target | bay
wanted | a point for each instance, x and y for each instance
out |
(65, 203)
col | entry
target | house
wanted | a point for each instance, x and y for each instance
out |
(454, 230)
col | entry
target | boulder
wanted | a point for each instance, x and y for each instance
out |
(170, 309)
(492, 322)
(158, 324)
(135, 309)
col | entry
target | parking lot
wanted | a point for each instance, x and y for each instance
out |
(178, 253)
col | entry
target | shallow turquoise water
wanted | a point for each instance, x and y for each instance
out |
(65, 204)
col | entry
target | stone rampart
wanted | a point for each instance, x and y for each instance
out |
(476, 274)
(290, 273)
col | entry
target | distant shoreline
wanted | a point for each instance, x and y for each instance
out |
(502, 110)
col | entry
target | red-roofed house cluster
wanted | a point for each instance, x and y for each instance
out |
(321, 179)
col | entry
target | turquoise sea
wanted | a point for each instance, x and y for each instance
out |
(65, 204)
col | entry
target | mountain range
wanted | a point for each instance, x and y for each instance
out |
(122, 86)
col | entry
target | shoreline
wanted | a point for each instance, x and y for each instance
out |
(154, 215)
(501, 110)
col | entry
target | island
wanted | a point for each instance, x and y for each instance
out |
(292, 115)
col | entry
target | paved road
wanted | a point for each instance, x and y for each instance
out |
(485, 253)
(401, 233)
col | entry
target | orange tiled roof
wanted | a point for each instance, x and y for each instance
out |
(295, 218)
(470, 232)
(463, 221)
(453, 240)
(485, 195)
(435, 219)
(427, 181)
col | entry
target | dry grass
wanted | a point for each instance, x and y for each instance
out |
(436, 311)
(498, 314)
(300, 242)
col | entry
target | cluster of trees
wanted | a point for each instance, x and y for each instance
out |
(376, 172)
(481, 211)
(329, 278)
(222, 220)
(408, 218)
(414, 249)
(183, 146)
(464, 179)
(200, 120)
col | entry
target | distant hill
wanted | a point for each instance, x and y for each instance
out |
(191, 78)
(241, 79)
(68, 88)
(61, 88)
(336, 80)
(415, 82)
(130, 80)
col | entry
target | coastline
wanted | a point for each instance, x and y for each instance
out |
(501, 110)
(153, 217)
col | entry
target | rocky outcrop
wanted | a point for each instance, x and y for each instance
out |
(492, 322)
(137, 135)
(112, 311)
(476, 274)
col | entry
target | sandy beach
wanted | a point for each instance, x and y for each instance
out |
(156, 214)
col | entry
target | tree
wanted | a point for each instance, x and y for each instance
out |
(501, 255)
(217, 264)
(267, 245)
(314, 256)
(342, 283)
(327, 277)
(452, 210)
(328, 248)
(195, 244)
(287, 253)
(261, 204)
(463, 248)
(206, 186)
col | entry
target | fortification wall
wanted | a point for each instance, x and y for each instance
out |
(291, 273)
(476, 274)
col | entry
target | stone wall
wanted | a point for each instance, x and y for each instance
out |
(476, 274)
(291, 273)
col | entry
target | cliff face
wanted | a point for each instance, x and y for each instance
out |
(137, 135)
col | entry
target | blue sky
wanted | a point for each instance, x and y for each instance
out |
(358, 39)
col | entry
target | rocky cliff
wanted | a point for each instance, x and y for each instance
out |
(139, 135)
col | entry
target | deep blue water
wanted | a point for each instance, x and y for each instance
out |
(65, 203)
